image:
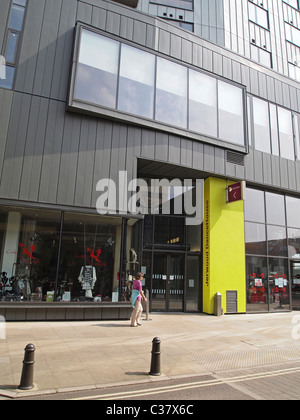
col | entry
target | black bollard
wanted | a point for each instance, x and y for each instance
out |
(155, 359)
(28, 368)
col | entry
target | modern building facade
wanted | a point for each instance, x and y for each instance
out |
(100, 105)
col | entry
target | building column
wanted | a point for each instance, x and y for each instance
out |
(11, 243)
(223, 247)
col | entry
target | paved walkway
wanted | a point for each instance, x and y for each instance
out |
(79, 355)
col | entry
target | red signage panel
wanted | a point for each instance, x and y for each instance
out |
(235, 192)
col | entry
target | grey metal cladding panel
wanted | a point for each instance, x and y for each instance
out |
(6, 97)
(139, 32)
(267, 169)
(291, 175)
(148, 144)
(4, 7)
(52, 152)
(186, 154)
(84, 12)
(99, 20)
(126, 25)
(275, 162)
(30, 46)
(15, 147)
(176, 46)
(164, 42)
(209, 161)
(249, 165)
(118, 150)
(86, 161)
(174, 149)
(69, 160)
(102, 154)
(258, 167)
(284, 175)
(161, 146)
(34, 146)
(63, 51)
(47, 48)
(298, 175)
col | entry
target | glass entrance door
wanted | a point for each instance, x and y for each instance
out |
(167, 282)
(295, 275)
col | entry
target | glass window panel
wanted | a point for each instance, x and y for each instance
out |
(293, 212)
(277, 243)
(8, 73)
(171, 93)
(261, 125)
(294, 243)
(169, 232)
(249, 106)
(97, 71)
(90, 259)
(30, 240)
(255, 238)
(293, 3)
(254, 52)
(265, 58)
(279, 284)
(274, 130)
(275, 209)
(11, 49)
(296, 122)
(257, 284)
(286, 139)
(203, 104)
(231, 113)
(20, 2)
(136, 86)
(16, 17)
(255, 206)
(180, 4)
(262, 18)
(99, 52)
(258, 15)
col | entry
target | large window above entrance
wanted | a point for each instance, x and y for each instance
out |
(119, 80)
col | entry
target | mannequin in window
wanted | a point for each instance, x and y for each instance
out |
(87, 278)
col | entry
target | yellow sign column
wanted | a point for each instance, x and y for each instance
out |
(223, 247)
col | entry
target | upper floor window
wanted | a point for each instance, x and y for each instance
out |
(180, 4)
(292, 34)
(258, 15)
(135, 83)
(11, 44)
(274, 129)
(293, 3)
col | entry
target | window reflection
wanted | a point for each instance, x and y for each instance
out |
(255, 206)
(257, 284)
(255, 237)
(275, 209)
(294, 243)
(286, 134)
(171, 93)
(97, 70)
(203, 104)
(261, 125)
(124, 78)
(279, 284)
(136, 88)
(293, 212)
(277, 243)
(231, 124)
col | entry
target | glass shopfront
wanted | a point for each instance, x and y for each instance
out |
(272, 232)
(52, 256)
